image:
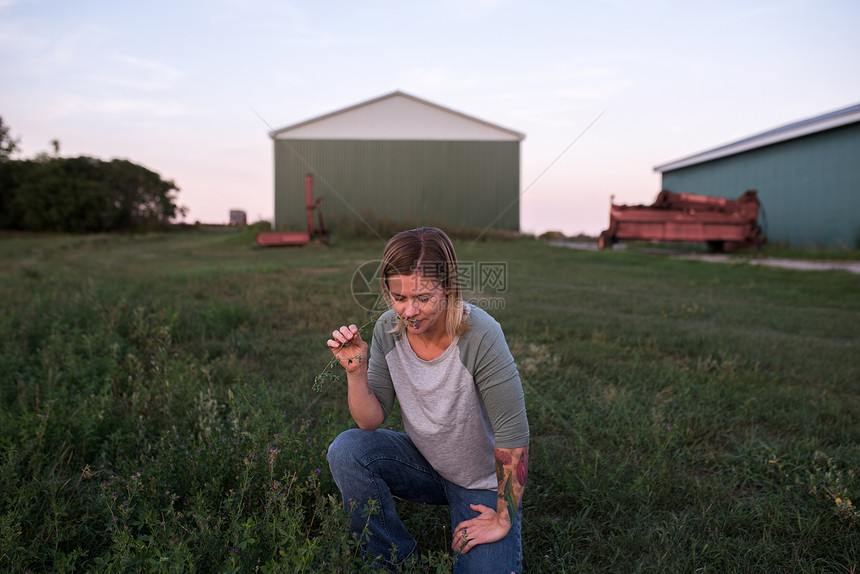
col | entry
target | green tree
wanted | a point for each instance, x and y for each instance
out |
(8, 144)
(85, 195)
(82, 194)
(65, 194)
(140, 196)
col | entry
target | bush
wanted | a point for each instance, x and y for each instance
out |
(83, 195)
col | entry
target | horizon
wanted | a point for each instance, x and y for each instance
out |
(604, 91)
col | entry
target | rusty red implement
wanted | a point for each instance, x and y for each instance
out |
(724, 224)
(276, 238)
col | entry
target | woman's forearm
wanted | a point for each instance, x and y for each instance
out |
(363, 404)
(511, 471)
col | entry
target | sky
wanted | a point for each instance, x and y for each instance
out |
(604, 91)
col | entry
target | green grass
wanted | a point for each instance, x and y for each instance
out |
(156, 411)
(833, 254)
(775, 250)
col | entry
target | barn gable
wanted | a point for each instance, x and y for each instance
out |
(397, 116)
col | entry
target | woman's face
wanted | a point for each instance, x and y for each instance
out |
(420, 302)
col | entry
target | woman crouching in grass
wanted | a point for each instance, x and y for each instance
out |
(467, 435)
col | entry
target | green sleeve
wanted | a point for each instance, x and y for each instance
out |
(495, 372)
(378, 376)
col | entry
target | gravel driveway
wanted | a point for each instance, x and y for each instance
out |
(802, 264)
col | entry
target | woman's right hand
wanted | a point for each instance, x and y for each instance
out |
(349, 348)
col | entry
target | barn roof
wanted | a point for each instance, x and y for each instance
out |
(396, 116)
(794, 130)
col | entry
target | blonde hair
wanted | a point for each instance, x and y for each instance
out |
(429, 252)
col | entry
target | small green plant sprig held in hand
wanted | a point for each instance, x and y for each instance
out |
(328, 373)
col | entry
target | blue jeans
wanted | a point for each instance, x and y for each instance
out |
(380, 465)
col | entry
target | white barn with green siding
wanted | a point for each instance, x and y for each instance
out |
(807, 175)
(403, 159)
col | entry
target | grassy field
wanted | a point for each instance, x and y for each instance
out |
(157, 413)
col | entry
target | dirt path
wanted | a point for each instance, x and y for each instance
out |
(801, 264)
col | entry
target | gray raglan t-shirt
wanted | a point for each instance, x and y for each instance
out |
(459, 406)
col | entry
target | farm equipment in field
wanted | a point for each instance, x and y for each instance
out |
(277, 238)
(724, 224)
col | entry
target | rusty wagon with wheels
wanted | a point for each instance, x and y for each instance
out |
(723, 224)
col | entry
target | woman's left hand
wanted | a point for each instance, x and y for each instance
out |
(487, 527)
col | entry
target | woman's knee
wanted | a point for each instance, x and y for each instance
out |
(345, 448)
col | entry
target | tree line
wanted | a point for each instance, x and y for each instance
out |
(80, 194)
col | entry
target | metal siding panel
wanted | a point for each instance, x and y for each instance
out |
(289, 187)
(809, 187)
(446, 183)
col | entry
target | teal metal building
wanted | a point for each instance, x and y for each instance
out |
(807, 175)
(401, 159)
